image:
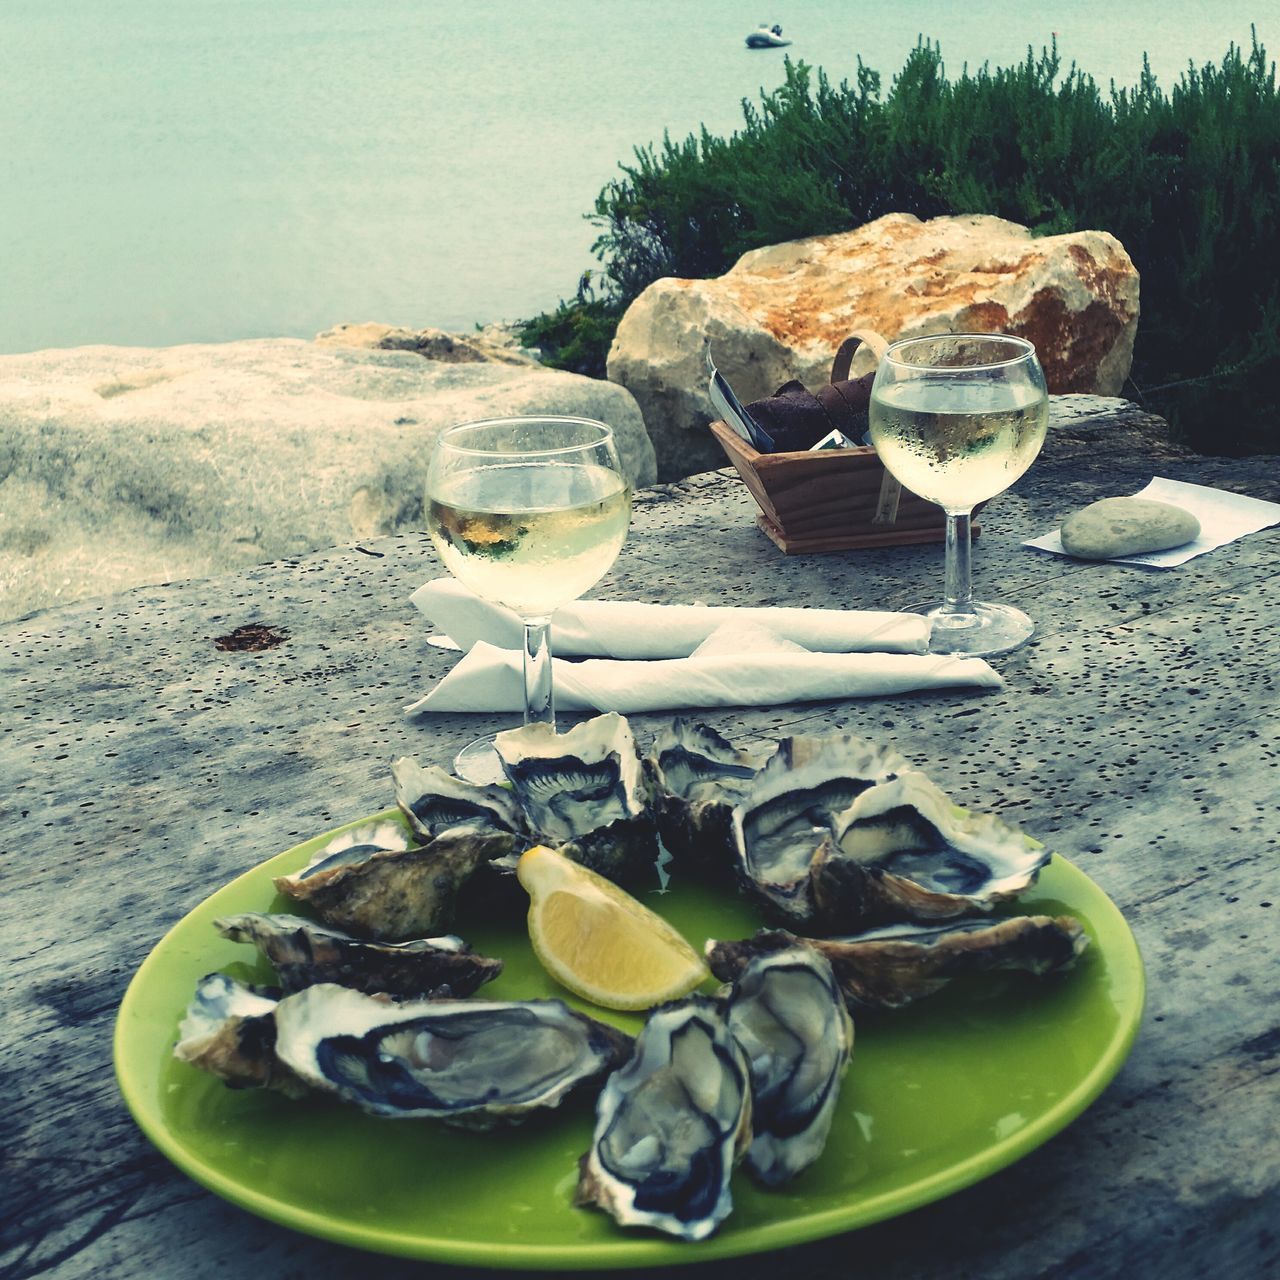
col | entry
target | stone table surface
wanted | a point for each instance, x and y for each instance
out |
(1138, 734)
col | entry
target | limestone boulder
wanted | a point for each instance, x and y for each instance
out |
(496, 343)
(126, 466)
(781, 312)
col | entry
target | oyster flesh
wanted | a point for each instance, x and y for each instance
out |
(786, 1012)
(371, 882)
(903, 851)
(230, 1031)
(792, 806)
(891, 967)
(584, 792)
(697, 777)
(671, 1124)
(471, 1063)
(304, 953)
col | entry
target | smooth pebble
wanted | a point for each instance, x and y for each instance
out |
(1126, 527)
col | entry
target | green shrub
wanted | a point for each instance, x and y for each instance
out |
(577, 334)
(1188, 181)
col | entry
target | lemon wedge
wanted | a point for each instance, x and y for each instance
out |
(598, 941)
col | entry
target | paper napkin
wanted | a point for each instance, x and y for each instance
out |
(626, 629)
(488, 678)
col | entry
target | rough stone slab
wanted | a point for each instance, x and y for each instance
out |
(141, 767)
(121, 466)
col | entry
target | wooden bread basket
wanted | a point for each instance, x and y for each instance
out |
(832, 499)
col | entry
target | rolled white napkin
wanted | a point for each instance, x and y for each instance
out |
(626, 629)
(491, 679)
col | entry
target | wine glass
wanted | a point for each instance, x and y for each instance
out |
(957, 418)
(529, 513)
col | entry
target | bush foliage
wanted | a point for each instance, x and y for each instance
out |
(1188, 181)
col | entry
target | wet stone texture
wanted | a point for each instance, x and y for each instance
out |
(143, 766)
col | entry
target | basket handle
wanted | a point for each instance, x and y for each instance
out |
(844, 356)
(890, 489)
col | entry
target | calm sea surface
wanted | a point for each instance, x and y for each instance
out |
(201, 170)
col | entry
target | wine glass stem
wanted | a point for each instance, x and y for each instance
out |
(959, 587)
(539, 698)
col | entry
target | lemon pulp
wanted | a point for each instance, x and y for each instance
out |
(595, 939)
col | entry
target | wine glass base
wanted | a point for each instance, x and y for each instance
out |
(478, 762)
(988, 630)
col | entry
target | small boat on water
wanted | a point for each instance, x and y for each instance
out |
(766, 37)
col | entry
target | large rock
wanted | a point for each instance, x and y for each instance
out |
(496, 343)
(781, 312)
(125, 466)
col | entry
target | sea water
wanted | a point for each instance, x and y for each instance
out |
(203, 170)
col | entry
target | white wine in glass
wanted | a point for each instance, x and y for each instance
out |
(957, 418)
(529, 513)
(531, 536)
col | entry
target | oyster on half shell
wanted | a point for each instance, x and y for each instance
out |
(891, 967)
(787, 1013)
(434, 802)
(304, 953)
(584, 792)
(471, 1063)
(903, 851)
(697, 777)
(671, 1124)
(229, 1031)
(836, 835)
(373, 883)
(792, 806)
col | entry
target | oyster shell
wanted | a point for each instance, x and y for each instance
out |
(584, 792)
(903, 851)
(891, 967)
(472, 1063)
(371, 882)
(434, 802)
(792, 806)
(671, 1124)
(836, 835)
(229, 1031)
(304, 953)
(787, 1013)
(697, 777)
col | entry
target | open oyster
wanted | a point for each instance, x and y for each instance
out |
(697, 777)
(903, 851)
(836, 835)
(305, 953)
(435, 802)
(786, 1012)
(792, 806)
(890, 967)
(472, 1063)
(371, 882)
(584, 792)
(671, 1124)
(230, 1031)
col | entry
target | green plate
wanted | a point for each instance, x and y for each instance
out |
(939, 1096)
